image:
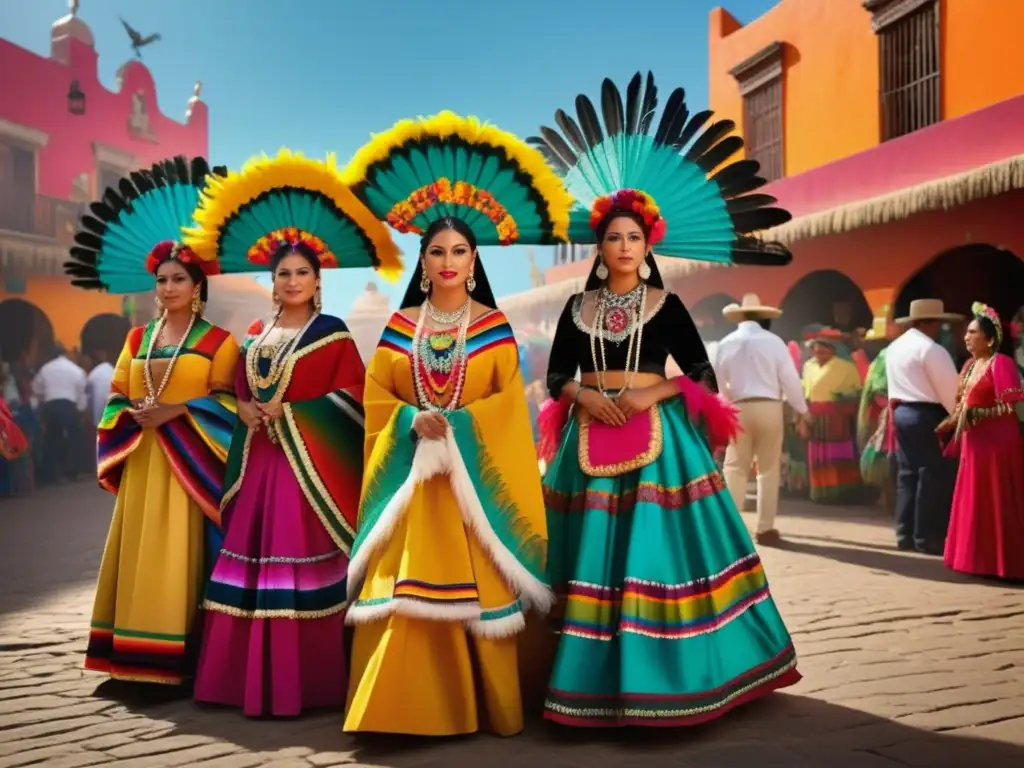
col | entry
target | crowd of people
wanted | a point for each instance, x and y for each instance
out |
(48, 418)
(890, 420)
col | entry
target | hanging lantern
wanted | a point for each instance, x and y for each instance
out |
(76, 99)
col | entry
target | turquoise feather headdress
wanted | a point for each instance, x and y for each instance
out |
(444, 166)
(245, 217)
(139, 225)
(668, 177)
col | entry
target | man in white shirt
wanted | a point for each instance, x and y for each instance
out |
(756, 372)
(97, 385)
(59, 387)
(923, 384)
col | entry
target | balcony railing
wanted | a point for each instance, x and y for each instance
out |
(42, 216)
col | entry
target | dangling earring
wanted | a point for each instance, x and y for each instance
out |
(159, 304)
(197, 303)
(277, 303)
(471, 283)
(318, 303)
(602, 270)
(424, 283)
(644, 271)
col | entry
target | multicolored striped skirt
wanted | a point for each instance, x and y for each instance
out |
(833, 459)
(664, 610)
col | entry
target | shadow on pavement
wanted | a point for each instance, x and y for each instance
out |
(910, 565)
(50, 542)
(783, 730)
(865, 514)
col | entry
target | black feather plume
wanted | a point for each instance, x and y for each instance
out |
(708, 144)
(85, 256)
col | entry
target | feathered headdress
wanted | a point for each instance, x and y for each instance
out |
(245, 217)
(673, 177)
(450, 166)
(138, 226)
(984, 310)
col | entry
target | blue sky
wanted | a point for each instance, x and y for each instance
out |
(321, 75)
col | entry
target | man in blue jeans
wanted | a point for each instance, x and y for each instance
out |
(923, 384)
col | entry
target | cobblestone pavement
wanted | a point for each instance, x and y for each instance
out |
(904, 664)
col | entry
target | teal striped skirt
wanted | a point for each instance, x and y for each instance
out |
(664, 610)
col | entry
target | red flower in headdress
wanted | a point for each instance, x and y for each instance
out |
(170, 250)
(631, 201)
(271, 243)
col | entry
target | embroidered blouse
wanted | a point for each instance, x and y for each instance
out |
(668, 330)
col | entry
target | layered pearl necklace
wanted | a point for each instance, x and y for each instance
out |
(275, 355)
(153, 392)
(607, 303)
(454, 365)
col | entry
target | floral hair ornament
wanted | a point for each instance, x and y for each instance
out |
(980, 310)
(631, 201)
(171, 250)
(291, 237)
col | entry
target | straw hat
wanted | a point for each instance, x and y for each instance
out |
(830, 337)
(750, 308)
(928, 309)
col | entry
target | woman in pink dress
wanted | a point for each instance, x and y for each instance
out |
(986, 527)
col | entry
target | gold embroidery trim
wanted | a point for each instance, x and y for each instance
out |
(303, 460)
(655, 445)
(277, 613)
(286, 378)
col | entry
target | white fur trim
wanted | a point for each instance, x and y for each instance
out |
(531, 590)
(415, 609)
(506, 626)
(431, 458)
(434, 457)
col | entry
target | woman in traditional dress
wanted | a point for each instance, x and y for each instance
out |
(163, 438)
(986, 526)
(13, 443)
(875, 439)
(795, 480)
(451, 544)
(274, 640)
(832, 386)
(665, 613)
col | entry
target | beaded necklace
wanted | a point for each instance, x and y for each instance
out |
(153, 392)
(635, 332)
(277, 356)
(424, 359)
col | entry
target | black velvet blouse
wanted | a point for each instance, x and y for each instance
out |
(669, 330)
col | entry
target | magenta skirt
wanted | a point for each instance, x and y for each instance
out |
(273, 636)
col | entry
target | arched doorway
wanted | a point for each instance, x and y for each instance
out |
(707, 316)
(963, 275)
(104, 334)
(825, 296)
(26, 334)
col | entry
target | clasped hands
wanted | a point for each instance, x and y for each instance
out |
(430, 425)
(153, 416)
(254, 413)
(618, 410)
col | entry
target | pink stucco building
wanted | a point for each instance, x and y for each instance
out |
(64, 138)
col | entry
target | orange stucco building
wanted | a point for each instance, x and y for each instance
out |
(890, 129)
(830, 68)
